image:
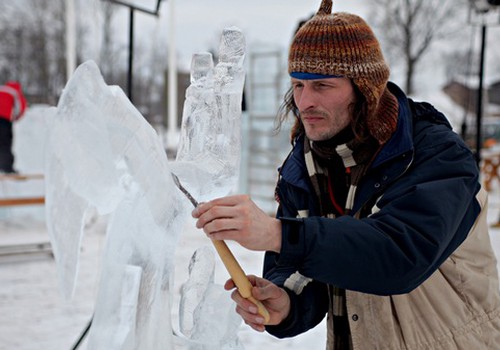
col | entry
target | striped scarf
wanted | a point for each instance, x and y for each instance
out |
(325, 159)
(335, 171)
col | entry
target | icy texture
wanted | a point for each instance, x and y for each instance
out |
(209, 148)
(201, 275)
(103, 156)
(206, 313)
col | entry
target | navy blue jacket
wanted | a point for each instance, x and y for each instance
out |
(423, 185)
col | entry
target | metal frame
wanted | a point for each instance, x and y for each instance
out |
(133, 8)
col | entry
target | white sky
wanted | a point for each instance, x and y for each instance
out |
(270, 23)
(198, 23)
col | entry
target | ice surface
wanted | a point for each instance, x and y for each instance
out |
(207, 317)
(209, 148)
(201, 274)
(103, 156)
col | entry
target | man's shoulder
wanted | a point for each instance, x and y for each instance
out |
(418, 110)
(432, 131)
(424, 111)
(295, 159)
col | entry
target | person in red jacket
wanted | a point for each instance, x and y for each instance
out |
(12, 107)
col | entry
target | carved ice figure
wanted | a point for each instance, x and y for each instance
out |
(207, 317)
(102, 155)
(210, 142)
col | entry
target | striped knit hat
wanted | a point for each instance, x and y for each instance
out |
(342, 44)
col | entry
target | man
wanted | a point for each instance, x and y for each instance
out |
(382, 220)
(12, 107)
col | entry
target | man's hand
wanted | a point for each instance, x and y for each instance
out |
(239, 219)
(274, 298)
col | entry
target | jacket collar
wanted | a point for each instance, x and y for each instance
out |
(401, 141)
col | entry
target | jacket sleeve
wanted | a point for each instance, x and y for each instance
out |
(307, 310)
(308, 307)
(417, 222)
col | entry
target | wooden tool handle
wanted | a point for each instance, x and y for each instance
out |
(239, 277)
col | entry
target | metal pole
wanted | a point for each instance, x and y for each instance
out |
(172, 132)
(480, 96)
(130, 54)
(70, 38)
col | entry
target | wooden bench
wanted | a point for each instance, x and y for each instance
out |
(26, 248)
(9, 202)
(25, 251)
(21, 177)
(19, 201)
(30, 250)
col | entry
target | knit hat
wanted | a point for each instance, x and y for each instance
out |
(342, 44)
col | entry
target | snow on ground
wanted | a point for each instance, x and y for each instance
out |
(34, 315)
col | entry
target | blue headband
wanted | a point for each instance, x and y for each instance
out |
(311, 76)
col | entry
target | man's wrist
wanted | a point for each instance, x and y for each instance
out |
(276, 234)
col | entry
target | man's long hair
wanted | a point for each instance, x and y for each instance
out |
(358, 111)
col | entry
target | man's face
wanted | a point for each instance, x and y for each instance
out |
(323, 105)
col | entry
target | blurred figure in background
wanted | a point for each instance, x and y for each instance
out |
(12, 107)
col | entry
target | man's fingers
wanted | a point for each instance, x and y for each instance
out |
(243, 303)
(254, 280)
(229, 201)
(249, 312)
(255, 321)
(229, 285)
(209, 211)
(201, 208)
(268, 291)
(217, 219)
(273, 297)
(247, 307)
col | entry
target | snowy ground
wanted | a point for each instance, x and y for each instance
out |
(34, 315)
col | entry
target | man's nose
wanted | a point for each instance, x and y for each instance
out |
(306, 99)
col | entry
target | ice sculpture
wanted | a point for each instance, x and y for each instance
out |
(102, 155)
(209, 147)
(207, 317)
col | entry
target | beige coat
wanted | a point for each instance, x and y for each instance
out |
(457, 308)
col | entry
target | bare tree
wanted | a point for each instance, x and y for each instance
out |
(33, 40)
(109, 52)
(33, 50)
(14, 44)
(409, 27)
